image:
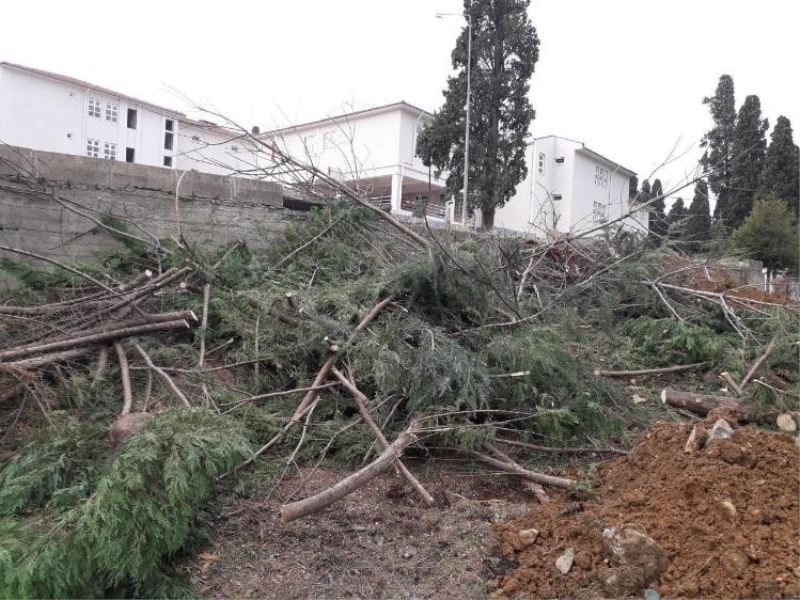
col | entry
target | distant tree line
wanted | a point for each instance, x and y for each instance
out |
(756, 186)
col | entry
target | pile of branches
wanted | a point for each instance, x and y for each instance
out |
(89, 322)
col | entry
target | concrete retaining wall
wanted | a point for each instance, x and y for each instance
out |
(214, 210)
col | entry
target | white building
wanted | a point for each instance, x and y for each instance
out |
(569, 188)
(374, 151)
(55, 113)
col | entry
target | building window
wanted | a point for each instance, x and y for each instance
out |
(168, 139)
(112, 112)
(599, 212)
(560, 160)
(541, 163)
(601, 178)
(130, 155)
(557, 197)
(167, 161)
(93, 148)
(94, 108)
(110, 151)
(169, 125)
(132, 115)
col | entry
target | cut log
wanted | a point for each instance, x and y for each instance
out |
(655, 371)
(317, 502)
(700, 404)
(786, 422)
(361, 402)
(95, 338)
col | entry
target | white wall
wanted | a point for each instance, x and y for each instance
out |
(48, 114)
(613, 197)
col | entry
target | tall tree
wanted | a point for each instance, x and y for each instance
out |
(633, 190)
(505, 49)
(749, 151)
(658, 220)
(698, 218)
(718, 141)
(676, 220)
(781, 174)
(770, 234)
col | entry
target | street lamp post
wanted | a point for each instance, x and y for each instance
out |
(465, 204)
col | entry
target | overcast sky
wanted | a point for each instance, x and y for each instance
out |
(626, 77)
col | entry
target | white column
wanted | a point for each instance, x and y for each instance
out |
(397, 192)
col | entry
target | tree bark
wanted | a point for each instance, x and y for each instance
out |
(84, 340)
(361, 402)
(125, 375)
(656, 371)
(317, 502)
(699, 404)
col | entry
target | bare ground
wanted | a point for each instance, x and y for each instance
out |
(377, 543)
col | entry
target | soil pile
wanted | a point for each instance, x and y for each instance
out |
(725, 516)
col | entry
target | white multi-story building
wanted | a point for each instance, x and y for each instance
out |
(374, 151)
(55, 113)
(569, 188)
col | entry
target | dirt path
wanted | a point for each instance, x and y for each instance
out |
(378, 543)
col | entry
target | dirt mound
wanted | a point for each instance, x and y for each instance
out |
(726, 517)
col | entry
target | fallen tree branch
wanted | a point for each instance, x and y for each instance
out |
(728, 380)
(281, 393)
(320, 501)
(699, 404)
(166, 378)
(563, 450)
(654, 371)
(515, 469)
(125, 375)
(758, 363)
(361, 402)
(95, 338)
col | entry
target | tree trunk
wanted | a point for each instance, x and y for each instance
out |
(487, 218)
(699, 404)
(317, 502)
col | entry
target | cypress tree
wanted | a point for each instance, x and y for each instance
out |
(781, 174)
(718, 142)
(749, 151)
(505, 49)
(658, 220)
(676, 221)
(698, 218)
(633, 188)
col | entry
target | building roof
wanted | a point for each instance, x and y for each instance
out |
(591, 153)
(402, 104)
(91, 86)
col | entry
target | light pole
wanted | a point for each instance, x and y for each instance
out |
(465, 204)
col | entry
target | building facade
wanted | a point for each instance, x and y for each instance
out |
(56, 113)
(373, 151)
(569, 189)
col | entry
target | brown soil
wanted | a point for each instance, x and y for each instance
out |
(377, 543)
(677, 499)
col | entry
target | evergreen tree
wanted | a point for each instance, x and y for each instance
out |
(505, 49)
(749, 151)
(781, 174)
(633, 188)
(698, 218)
(676, 221)
(644, 193)
(658, 220)
(770, 235)
(718, 142)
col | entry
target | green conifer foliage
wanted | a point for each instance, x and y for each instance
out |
(138, 513)
(718, 142)
(781, 174)
(749, 150)
(505, 49)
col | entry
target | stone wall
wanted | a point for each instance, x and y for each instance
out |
(58, 217)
